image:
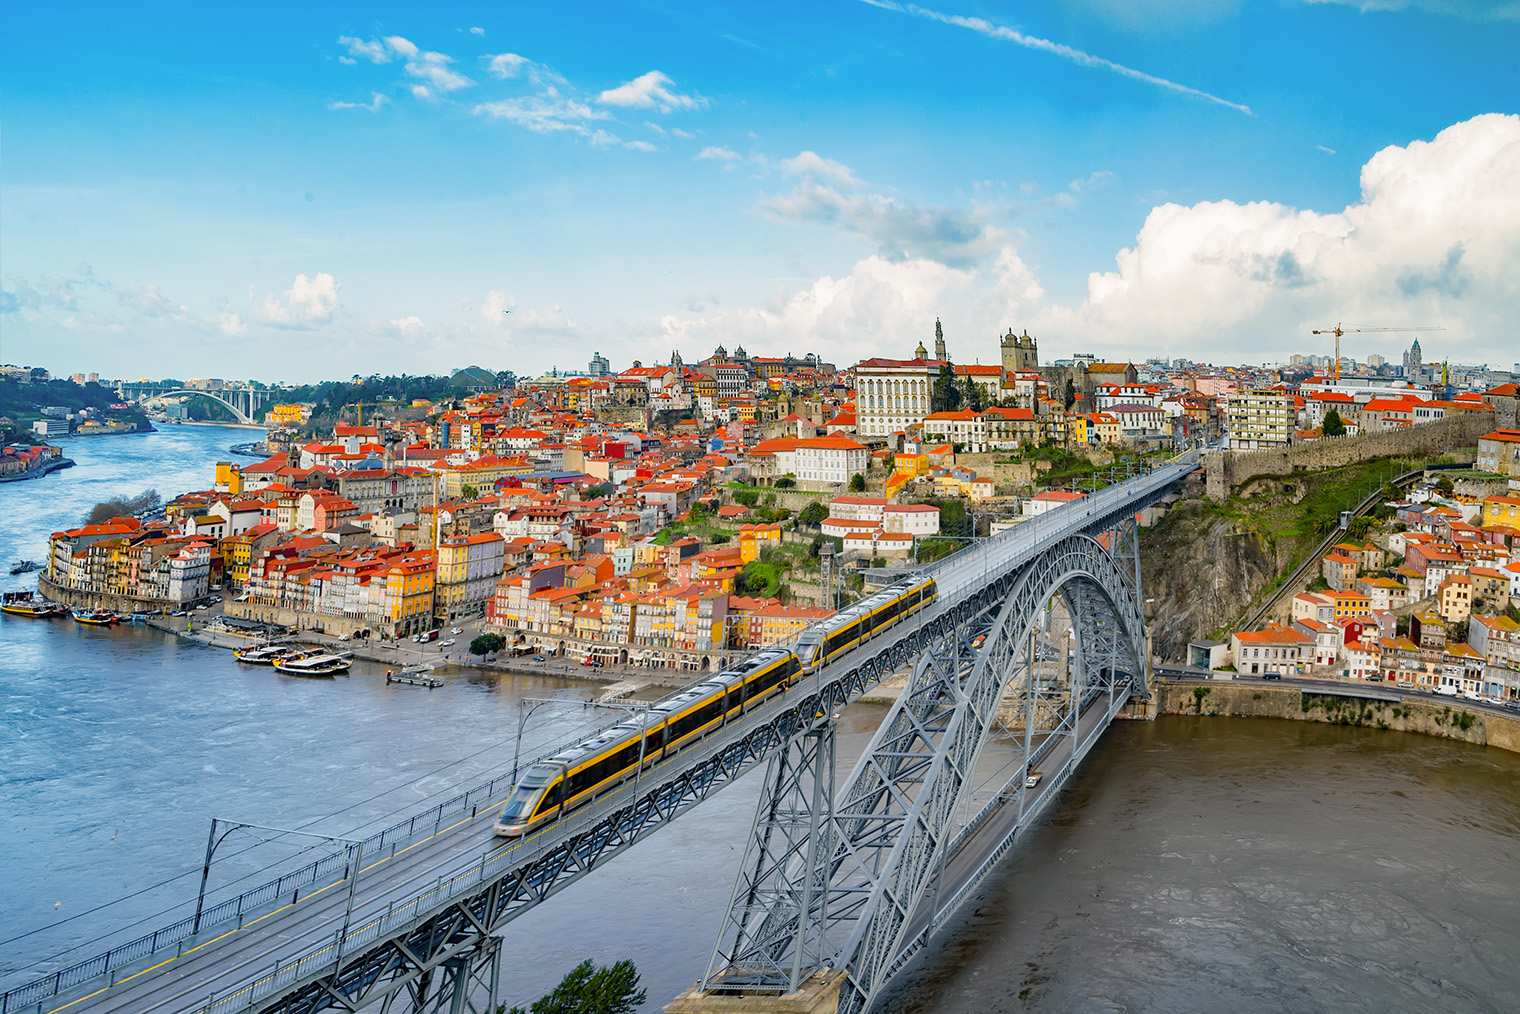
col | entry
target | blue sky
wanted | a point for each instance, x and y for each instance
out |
(292, 193)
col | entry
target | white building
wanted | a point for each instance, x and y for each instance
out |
(1049, 500)
(825, 460)
(911, 519)
(892, 394)
(1259, 419)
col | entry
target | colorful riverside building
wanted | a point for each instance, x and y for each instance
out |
(468, 569)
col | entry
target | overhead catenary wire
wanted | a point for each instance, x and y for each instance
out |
(252, 873)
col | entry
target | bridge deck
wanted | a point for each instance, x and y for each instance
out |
(228, 959)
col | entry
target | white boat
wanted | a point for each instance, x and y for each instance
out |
(315, 665)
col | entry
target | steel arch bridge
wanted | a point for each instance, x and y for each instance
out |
(245, 402)
(856, 880)
(856, 886)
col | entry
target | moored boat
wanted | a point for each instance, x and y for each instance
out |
(320, 664)
(25, 566)
(95, 617)
(263, 654)
(29, 605)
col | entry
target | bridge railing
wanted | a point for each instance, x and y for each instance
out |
(323, 869)
(1010, 544)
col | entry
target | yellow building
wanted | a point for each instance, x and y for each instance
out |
(229, 478)
(754, 538)
(286, 415)
(1501, 510)
(409, 593)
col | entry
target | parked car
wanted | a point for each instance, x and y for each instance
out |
(446, 644)
(1447, 691)
(1492, 699)
(1271, 675)
(538, 658)
(1406, 684)
(342, 637)
(457, 630)
(1473, 695)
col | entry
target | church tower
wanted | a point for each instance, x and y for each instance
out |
(939, 342)
(1019, 352)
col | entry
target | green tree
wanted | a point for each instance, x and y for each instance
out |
(947, 393)
(813, 514)
(747, 497)
(469, 492)
(487, 643)
(698, 512)
(588, 989)
(1333, 425)
(786, 482)
(1071, 393)
(857, 483)
(1444, 486)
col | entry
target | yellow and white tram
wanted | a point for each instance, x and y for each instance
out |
(573, 777)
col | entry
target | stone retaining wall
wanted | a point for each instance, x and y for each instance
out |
(75, 597)
(1227, 470)
(1444, 719)
(319, 622)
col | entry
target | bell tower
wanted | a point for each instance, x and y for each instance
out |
(1019, 352)
(939, 342)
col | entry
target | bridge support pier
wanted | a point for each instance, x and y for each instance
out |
(817, 994)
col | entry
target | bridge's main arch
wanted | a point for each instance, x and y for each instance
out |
(856, 886)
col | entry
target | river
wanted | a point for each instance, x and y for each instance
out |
(1195, 864)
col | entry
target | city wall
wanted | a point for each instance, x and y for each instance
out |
(318, 622)
(77, 598)
(1227, 470)
(1444, 719)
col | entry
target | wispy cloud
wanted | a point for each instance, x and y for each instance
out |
(650, 91)
(811, 163)
(899, 228)
(428, 67)
(719, 153)
(543, 115)
(1327, 151)
(308, 302)
(373, 105)
(477, 31)
(1005, 34)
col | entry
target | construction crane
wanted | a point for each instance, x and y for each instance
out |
(360, 405)
(1338, 330)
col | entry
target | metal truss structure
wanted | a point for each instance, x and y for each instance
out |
(828, 880)
(855, 884)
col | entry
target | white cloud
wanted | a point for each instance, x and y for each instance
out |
(505, 65)
(1435, 239)
(684, 134)
(809, 163)
(477, 31)
(900, 229)
(429, 67)
(650, 91)
(373, 105)
(497, 307)
(409, 327)
(1004, 34)
(719, 153)
(374, 52)
(405, 47)
(640, 146)
(655, 127)
(421, 91)
(543, 115)
(880, 308)
(309, 301)
(230, 324)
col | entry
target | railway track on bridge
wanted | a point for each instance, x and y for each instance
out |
(429, 908)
